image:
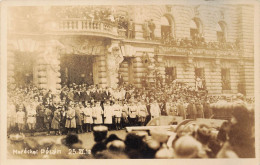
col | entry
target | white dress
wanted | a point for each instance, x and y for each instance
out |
(97, 114)
(142, 111)
(31, 116)
(108, 114)
(88, 118)
(117, 110)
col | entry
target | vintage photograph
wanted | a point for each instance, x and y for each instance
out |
(147, 81)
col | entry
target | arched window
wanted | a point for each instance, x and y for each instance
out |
(221, 32)
(195, 28)
(166, 28)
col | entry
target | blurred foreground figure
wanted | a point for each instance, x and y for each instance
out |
(188, 147)
(241, 138)
(100, 135)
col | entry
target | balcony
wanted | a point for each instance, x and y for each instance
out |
(193, 51)
(87, 27)
(70, 26)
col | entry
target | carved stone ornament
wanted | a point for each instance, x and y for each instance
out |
(83, 46)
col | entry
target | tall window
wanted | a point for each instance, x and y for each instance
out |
(199, 78)
(171, 74)
(225, 76)
(166, 28)
(195, 28)
(221, 32)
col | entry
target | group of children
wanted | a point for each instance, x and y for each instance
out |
(76, 117)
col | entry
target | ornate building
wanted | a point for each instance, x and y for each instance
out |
(204, 46)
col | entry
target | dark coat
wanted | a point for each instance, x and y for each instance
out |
(47, 116)
(106, 95)
(78, 117)
(55, 124)
(207, 110)
(192, 111)
(77, 96)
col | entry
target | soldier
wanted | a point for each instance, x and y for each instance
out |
(88, 118)
(118, 114)
(142, 112)
(47, 119)
(97, 114)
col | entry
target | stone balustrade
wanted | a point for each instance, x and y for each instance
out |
(82, 25)
(183, 51)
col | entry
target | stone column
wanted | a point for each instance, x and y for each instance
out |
(49, 66)
(113, 59)
(139, 71)
(102, 76)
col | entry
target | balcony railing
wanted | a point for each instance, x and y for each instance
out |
(83, 25)
(177, 50)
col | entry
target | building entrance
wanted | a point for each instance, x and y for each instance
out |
(24, 69)
(77, 69)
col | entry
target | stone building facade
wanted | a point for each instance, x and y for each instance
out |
(104, 54)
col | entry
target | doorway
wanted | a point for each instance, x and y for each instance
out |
(24, 69)
(77, 69)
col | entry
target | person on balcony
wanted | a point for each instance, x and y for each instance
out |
(151, 25)
(130, 29)
(146, 31)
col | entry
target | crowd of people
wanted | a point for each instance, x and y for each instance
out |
(77, 108)
(198, 42)
(233, 139)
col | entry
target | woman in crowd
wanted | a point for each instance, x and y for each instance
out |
(70, 118)
(55, 124)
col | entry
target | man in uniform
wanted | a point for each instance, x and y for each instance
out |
(142, 112)
(132, 113)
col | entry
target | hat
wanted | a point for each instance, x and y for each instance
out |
(70, 139)
(116, 145)
(187, 147)
(100, 128)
